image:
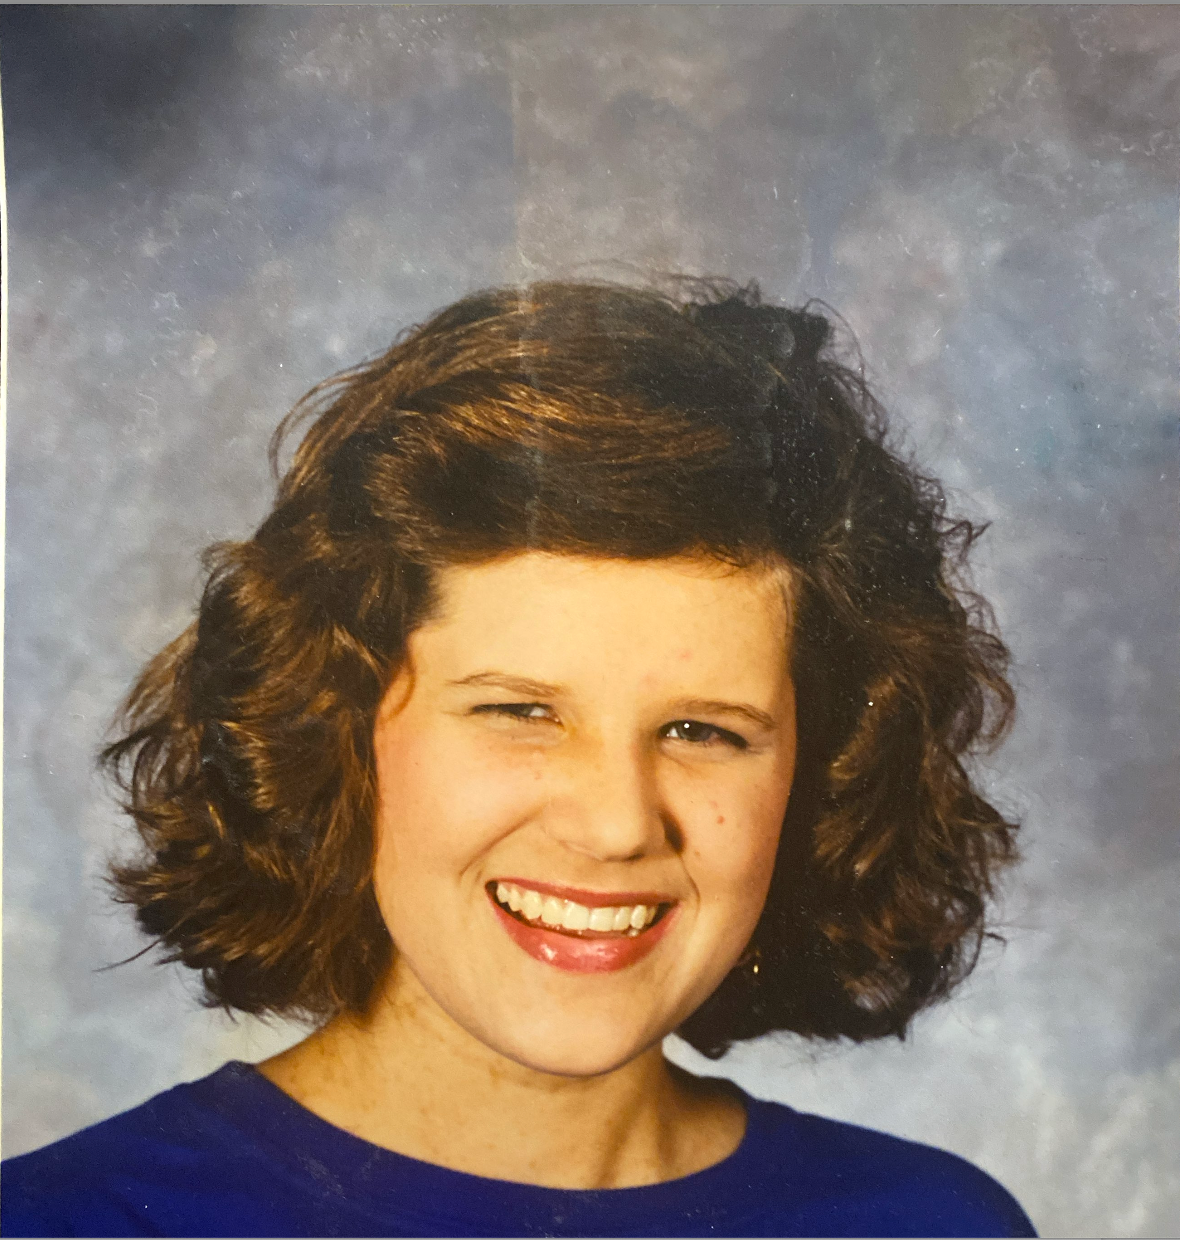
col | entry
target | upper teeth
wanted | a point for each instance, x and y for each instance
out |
(569, 915)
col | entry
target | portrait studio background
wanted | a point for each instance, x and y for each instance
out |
(213, 208)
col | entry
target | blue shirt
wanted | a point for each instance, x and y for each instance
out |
(232, 1155)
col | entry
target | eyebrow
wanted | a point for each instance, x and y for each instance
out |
(513, 684)
(757, 717)
(538, 688)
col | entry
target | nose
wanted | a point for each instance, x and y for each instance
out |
(606, 803)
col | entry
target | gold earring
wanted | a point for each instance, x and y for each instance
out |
(751, 963)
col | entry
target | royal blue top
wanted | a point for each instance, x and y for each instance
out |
(232, 1155)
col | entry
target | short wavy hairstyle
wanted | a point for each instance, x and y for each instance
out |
(591, 419)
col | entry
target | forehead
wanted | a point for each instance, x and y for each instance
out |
(559, 611)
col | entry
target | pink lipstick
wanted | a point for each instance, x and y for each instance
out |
(585, 951)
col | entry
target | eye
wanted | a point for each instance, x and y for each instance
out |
(527, 712)
(697, 733)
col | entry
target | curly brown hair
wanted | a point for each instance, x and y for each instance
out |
(594, 419)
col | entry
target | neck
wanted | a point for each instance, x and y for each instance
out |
(408, 1078)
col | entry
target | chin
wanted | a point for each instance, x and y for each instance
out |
(576, 1058)
(563, 1048)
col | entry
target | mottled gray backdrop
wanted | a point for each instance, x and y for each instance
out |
(211, 208)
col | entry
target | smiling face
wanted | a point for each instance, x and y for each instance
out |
(583, 768)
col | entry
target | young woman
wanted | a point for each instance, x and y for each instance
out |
(598, 674)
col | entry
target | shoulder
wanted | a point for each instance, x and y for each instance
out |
(131, 1173)
(841, 1179)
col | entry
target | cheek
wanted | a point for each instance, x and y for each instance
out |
(442, 800)
(733, 839)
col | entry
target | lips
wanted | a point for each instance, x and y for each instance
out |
(580, 931)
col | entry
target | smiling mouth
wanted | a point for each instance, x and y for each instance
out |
(568, 917)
